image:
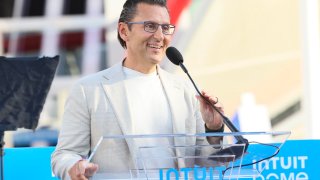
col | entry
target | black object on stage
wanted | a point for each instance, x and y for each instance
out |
(24, 85)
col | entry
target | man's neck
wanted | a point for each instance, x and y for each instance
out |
(143, 68)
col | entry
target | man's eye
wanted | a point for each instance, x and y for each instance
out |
(165, 27)
(151, 26)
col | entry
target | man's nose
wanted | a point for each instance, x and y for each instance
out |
(159, 34)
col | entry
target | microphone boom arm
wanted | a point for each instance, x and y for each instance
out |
(226, 120)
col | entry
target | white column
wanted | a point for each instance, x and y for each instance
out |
(50, 37)
(254, 118)
(112, 13)
(17, 13)
(311, 65)
(92, 46)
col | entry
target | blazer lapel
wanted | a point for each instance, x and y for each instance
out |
(174, 92)
(114, 87)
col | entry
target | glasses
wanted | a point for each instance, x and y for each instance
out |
(152, 27)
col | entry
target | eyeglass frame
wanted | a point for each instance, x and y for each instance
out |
(154, 23)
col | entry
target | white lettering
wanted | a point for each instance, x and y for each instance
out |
(283, 176)
(254, 164)
(290, 177)
(303, 160)
(272, 175)
(264, 165)
(294, 162)
(260, 177)
(283, 165)
(302, 176)
(199, 173)
(274, 162)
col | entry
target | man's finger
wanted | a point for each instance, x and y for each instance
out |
(91, 169)
(81, 167)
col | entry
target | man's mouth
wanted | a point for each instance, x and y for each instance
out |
(154, 46)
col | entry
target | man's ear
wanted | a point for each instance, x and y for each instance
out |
(123, 31)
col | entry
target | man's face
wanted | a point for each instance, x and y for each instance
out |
(144, 47)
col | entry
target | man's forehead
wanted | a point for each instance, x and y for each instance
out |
(152, 12)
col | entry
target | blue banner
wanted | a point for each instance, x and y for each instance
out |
(297, 160)
(28, 163)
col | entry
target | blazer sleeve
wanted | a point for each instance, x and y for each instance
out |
(74, 138)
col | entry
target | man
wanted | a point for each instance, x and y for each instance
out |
(133, 97)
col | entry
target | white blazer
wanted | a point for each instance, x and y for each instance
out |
(97, 106)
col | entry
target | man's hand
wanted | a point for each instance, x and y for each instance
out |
(82, 170)
(210, 116)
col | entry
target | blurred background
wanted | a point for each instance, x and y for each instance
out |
(260, 57)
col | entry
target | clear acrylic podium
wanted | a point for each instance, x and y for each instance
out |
(185, 156)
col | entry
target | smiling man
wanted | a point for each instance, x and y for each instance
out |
(146, 37)
(134, 96)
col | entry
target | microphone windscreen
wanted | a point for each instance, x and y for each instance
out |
(174, 55)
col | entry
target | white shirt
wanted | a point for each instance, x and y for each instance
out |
(148, 103)
(151, 114)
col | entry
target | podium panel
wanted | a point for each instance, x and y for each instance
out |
(184, 156)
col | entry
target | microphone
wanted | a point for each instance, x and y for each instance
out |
(176, 58)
